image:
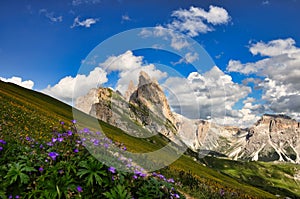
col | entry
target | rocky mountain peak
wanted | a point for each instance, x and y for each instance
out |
(149, 94)
(145, 108)
(144, 79)
(277, 122)
(131, 88)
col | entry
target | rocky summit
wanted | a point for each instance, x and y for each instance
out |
(144, 111)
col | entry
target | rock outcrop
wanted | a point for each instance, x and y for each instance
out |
(85, 103)
(144, 111)
(274, 137)
(149, 94)
(131, 88)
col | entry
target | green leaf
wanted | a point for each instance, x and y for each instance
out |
(118, 192)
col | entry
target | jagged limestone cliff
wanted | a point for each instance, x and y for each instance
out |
(144, 111)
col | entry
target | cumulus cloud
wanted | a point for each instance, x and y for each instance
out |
(196, 20)
(192, 22)
(18, 80)
(129, 67)
(251, 80)
(84, 23)
(213, 93)
(274, 48)
(69, 88)
(51, 16)
(280, 70)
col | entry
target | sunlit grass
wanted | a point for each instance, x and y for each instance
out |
(25, 113)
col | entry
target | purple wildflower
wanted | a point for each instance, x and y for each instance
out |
(27, 138)
(69, 133)
(112, 169)
(74, 121)
(50, 144)
(10, 196)
(222, 192)
(86, 130)
(17, 196)
(139, 173)
(60, 171)
(2, 142)
(124, 148)
(106, 145)
(53, 155)
(76, 150)
(54, 140)
(1, 148)
(78, 141)
(176, 195)
(135, 177)
(128, 165)
(161, 177)
(41, 169)
(96, 142)
(62, 123)
(79, 189)
(171, 180)
(41, 146)
(60, 139)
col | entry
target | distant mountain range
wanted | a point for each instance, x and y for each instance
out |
(144, 111)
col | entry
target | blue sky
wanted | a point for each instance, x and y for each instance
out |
(253, 42)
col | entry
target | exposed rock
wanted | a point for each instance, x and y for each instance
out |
(103, 108)
(131, 88)
(84, 103)
(149, 94)
(274, 137)
(144, 115)
(144, 111)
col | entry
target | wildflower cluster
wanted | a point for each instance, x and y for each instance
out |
(61, 167)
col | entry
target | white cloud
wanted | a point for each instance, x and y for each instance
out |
(124, 62)
(196, 20)
(18, 80)
(191, 22)
(274, 48)
(280, 71)
(69, 88)
(266, 2)
(50, 16)
(129, 67)
(126, 18)
(213, 93)
(79, 2)
(188, 58)
(85, 23)
(177, 41)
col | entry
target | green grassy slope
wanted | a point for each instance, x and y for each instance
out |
(277, 178)
(26, 112)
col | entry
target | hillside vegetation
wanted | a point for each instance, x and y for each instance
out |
(29, 118)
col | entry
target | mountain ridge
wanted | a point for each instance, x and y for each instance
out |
(42, 111)
(271, 138)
